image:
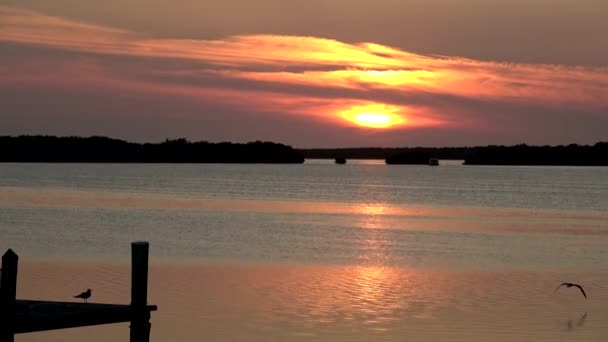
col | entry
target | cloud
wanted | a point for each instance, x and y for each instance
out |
(313, 78)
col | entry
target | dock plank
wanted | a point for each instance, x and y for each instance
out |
(33, 315)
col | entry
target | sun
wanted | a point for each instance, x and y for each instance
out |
(373, 115)
(376, 120)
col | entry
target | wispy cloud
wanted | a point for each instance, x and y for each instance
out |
(323, 78)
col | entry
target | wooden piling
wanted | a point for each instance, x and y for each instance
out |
(140, 323)
(8, 293)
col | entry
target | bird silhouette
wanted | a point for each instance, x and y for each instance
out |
(570, 285)
(85, 295)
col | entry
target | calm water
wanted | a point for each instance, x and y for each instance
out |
(319, 252)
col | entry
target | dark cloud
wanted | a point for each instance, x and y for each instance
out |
(523, 31)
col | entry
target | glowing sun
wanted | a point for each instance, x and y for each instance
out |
(373, 115)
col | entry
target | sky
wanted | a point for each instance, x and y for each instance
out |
(315, 73)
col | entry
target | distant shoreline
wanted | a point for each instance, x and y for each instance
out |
(522, 155)
(52, 149)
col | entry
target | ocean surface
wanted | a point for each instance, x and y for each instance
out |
(318, 252)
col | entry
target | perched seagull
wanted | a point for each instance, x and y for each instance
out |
(572, 284)
(84, 295)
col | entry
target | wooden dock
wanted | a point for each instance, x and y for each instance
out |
(24, 316)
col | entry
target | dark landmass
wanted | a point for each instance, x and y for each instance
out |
(106, 150)
(411, 157)
(570, 155)
(573, 155)
(379, 152)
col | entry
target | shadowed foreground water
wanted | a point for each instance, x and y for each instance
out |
(230, 302)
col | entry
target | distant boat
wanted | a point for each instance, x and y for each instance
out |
(433, 162)
(341, 161)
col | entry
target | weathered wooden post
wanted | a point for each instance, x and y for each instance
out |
(8, 292)
(140, 324)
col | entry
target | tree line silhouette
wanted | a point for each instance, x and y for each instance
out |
(573, 154)
(383, 152)
(107, 150)
(570, 155)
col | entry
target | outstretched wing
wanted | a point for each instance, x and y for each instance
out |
(562, 284)
(581, 288)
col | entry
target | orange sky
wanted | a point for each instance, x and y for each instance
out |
(62, 75)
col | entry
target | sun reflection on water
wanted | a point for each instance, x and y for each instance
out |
(372, 209)
(237, 302)
(371, 215)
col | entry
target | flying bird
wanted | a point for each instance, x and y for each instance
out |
(575, 285)
(85, 295)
